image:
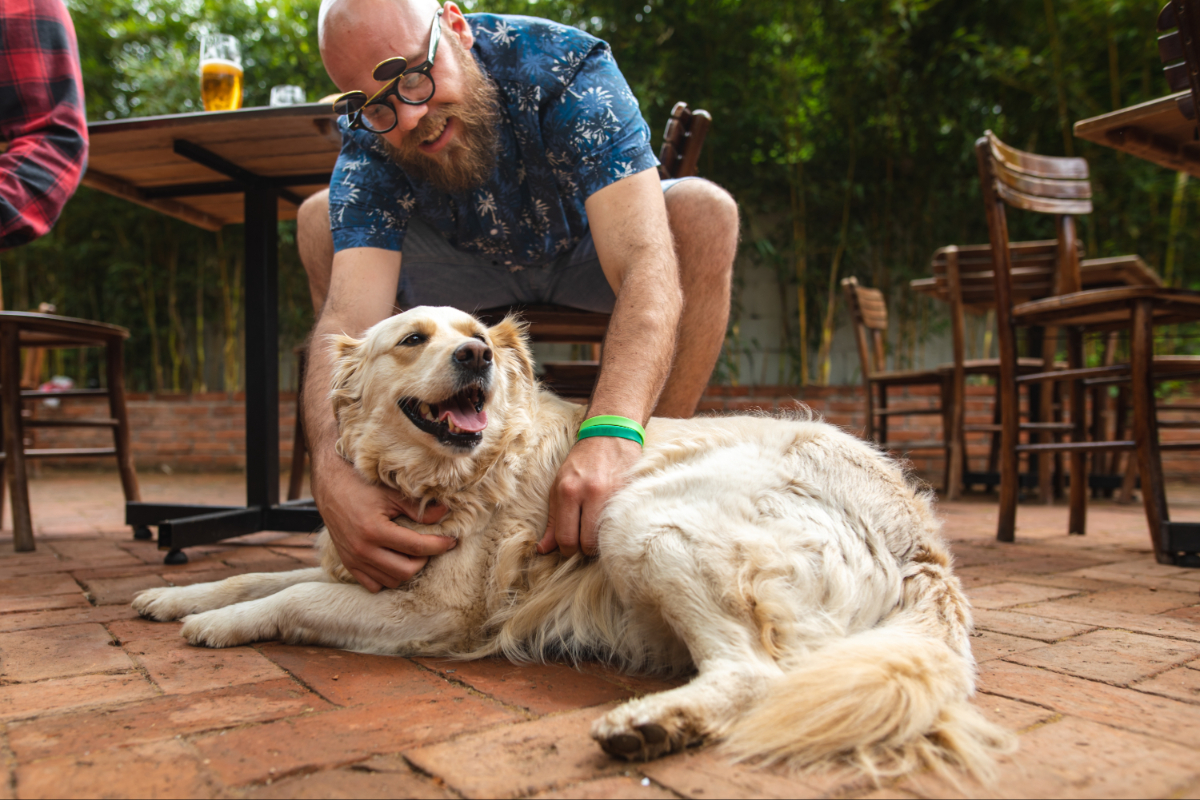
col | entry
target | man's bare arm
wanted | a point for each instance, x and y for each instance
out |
(629, 226)
(378, 552)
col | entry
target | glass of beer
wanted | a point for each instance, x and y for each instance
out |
(220, 72)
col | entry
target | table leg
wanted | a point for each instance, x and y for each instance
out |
(262, 347)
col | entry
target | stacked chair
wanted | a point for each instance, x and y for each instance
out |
(1060, 187)
(963, 278)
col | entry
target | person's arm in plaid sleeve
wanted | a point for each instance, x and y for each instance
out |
(42, 119)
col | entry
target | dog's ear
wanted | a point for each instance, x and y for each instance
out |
(511, 335)
(346, 389)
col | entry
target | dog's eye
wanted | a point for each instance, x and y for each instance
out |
(412, 340)
(479, 336)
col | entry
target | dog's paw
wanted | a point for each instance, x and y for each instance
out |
(163, 604)
(638, 732)
(224, 627)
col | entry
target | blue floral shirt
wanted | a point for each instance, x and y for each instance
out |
(569, 127)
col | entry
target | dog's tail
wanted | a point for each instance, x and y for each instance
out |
(887, 700)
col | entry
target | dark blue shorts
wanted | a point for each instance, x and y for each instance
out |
(434, 273)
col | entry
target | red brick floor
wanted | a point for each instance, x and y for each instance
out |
(1086, 646)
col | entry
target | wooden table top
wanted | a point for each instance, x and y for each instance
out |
(1155, 131)
(291, 147)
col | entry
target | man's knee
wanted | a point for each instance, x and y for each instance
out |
(315, 243)
(702, 207)
(704, 222)
(312, 227)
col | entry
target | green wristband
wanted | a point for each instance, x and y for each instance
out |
(612, 419)
(611, 430)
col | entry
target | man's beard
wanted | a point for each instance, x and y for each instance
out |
(467, 161)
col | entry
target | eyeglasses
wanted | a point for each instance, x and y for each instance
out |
(413, 86)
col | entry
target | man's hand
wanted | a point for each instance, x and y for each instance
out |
(594, 470)
(378, 552)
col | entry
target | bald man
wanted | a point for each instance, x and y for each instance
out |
(489, 160)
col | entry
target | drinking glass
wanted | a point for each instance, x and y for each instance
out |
(287, 95)
(220, 72)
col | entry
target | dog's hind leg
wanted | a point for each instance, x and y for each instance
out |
(174, 602)
(735, 667)
(339, 615)
(733, 674)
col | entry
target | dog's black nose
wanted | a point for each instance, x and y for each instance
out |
(473, 355)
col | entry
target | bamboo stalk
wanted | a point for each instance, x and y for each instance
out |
(800, 260)
(831, 304)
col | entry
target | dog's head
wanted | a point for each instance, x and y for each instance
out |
(431, 387)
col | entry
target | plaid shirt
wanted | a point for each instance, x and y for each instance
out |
(41, 117)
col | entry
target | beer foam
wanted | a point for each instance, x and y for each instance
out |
(220, 62)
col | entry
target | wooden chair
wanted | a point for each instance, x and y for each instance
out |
(963, 279)
(1179, 50)
(868, 318)
(1060, 187)
(683, 140)
(21, 330)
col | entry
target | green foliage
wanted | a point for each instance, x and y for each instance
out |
(797, 89)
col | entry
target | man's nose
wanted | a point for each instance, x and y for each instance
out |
(408, 117)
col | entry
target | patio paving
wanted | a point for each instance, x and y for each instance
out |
(1086, 647)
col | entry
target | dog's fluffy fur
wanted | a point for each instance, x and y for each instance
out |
(790, 564)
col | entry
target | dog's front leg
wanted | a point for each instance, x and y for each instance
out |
(173, 602)
(330, 614)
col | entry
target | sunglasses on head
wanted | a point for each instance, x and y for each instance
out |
(413, 86)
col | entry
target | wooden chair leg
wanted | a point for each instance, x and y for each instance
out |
(1102, 423)
(1077, 522)
(114, 366)
(1145, 426)
(881, 427)
(299, 452)
(1121, 431)
(14, 449)
(3, 466)
(952, 426)
(1129, 481)
(953, 402)
(869, 422)
(993, 460)
(1046, 461)
(299, 445)
(1010, 420)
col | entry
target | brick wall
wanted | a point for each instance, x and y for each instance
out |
(207, 431)
(189, 432)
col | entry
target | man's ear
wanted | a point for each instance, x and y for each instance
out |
(511, 336)
(346, 389)
(459, 26)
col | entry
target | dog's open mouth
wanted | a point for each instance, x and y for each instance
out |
(458, 420)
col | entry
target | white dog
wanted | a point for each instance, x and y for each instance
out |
(790, 564)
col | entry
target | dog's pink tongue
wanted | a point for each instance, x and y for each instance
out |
(465, 416)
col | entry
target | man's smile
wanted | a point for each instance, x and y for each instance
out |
(439, 138)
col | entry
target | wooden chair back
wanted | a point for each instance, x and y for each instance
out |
(1179, 51)
(868, 318)
(1041, 184)
(682, 141)
(1033, 268)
